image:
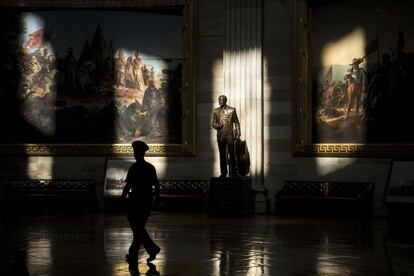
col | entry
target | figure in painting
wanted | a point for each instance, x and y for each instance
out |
(150, 108)
(129, 74)
(356, 78)
(146, 74)
(226, 122)
(120, 67)
(35, 68)
(137, 71)
(133, 120)
(35, 39)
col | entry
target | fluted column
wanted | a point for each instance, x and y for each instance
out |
(242, 65)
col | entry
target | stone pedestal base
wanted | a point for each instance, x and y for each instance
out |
(230, 196)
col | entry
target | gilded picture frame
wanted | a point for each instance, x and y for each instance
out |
(182, 107)
(376, 141)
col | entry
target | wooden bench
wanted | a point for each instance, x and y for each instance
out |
(175, 194)
(183, 194)
(183, 188)
(325, 197)
(30, 194)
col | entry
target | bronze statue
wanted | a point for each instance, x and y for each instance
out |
(227, 124)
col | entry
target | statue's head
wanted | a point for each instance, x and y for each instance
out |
(222, 100)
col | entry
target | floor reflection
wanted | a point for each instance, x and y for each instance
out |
(193, 244)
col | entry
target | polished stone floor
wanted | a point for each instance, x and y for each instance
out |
(195, 244)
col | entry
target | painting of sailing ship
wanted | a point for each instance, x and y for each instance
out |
(362, 72)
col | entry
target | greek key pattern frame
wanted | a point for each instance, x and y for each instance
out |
(90, 150)
(355, 150)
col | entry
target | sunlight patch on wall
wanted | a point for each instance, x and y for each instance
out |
(37, 65)
(338, 52)
(39, 167)
(161, 164)
(329, 165)
(242, 69)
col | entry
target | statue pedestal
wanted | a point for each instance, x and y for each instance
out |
(230, 196)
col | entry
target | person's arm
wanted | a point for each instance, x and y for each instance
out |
(126, 190)
(127, 186)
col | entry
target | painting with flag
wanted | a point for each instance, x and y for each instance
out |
(362, 71)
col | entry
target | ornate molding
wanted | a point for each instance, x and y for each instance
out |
(93, 149)
(348, 150)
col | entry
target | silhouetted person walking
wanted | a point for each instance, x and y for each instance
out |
(140, 179)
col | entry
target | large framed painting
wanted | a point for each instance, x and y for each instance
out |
(353, 88)
(90, 77)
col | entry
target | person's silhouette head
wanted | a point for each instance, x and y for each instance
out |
(139, 148)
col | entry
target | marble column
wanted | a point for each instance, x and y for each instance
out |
(242, 66)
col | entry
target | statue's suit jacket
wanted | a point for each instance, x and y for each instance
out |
(227, 117)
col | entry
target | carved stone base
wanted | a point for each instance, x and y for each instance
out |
(230, 196)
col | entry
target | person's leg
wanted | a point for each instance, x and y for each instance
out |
(150, 246)
(358, 101)
(351, 91)
(136, 226)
